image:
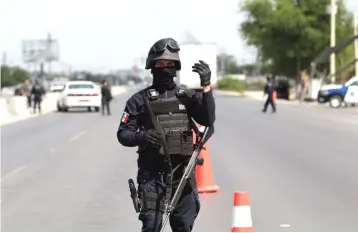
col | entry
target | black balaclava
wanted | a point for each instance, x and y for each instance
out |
(163, 78)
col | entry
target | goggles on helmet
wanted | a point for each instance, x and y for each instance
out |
(160, 46)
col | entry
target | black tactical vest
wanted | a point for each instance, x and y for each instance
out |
(172, 116)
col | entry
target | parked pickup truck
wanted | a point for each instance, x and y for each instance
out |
(337, 95)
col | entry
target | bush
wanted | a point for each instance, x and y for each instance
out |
(255, 86)
(231, 84)
(11, 76)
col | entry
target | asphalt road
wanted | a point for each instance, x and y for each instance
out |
(67, 172)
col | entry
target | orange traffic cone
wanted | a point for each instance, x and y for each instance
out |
(241, 219)
(204, 173)
(274, 95)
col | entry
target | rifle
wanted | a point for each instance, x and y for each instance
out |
(186, 176)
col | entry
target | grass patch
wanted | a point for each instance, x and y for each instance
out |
(228, 83)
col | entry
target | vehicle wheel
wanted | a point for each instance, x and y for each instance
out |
(335, 101)
(65, 109)
(89, 109)
(96, 109)
(59, 108)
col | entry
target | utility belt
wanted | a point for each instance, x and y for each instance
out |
(152, 188)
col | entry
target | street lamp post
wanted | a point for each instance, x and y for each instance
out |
(355, 25)
(333, 40)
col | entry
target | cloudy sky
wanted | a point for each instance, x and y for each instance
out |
(102, 35)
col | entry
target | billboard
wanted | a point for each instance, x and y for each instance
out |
(37, 51)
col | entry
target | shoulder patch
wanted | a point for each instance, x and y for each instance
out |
(182, 107)
(125, 117)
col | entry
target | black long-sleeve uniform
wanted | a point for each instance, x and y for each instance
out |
(106, 99)
(269, 89)
(37, 91)
(201, 107)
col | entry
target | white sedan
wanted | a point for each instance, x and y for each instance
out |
(80, 94)
(56, 87)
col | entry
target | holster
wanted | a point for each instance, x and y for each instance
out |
(151, 191)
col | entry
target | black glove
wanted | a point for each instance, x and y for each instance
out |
(150, 137)
(204, 72)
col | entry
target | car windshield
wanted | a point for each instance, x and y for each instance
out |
(80, 86)
(354, 83)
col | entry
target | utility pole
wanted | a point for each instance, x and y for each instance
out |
(4, 59)
(355, 25)
(49, 55)
(223, 64)
(222, 61)
(333, 40)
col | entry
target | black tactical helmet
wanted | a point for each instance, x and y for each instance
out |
(166, 48)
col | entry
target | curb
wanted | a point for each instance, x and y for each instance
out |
(16, 118)
(230, 93)
(260, 98)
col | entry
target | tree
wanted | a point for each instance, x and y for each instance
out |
(11, 76)
(227, 64)
(291, 33)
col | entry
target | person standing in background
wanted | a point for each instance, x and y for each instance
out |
(269, 90)
(37, 92)
(27, 91)
(305, 84)
(106, 97)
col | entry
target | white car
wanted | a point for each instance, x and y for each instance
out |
(56, 87)
(80, 94)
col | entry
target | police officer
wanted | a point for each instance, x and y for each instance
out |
(269, 90)
(106, 97)
(173, 108)
(37, 92)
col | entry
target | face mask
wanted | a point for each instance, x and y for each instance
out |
(163, 78)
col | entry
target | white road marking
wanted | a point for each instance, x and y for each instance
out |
(13, 172)
(77, 136)
(285, 225)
